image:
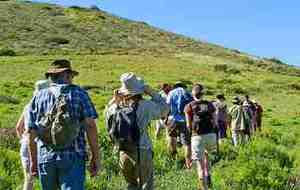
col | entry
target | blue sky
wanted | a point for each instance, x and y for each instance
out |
(268, 28)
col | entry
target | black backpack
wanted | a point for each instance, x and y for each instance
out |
(123, 128)
(202, 118)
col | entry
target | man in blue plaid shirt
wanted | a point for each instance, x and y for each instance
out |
(64, 168)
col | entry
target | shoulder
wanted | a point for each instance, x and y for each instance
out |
(146, 104)
(78, 91)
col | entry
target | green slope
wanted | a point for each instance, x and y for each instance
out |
(103, 46)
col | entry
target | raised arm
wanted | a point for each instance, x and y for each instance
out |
(159, 108)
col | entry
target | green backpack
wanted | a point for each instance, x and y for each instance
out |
(57, 127)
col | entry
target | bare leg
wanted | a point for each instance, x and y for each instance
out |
(172, 142)
(28, 181)
(188, 154)
(200, 174)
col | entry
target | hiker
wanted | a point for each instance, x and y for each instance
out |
(59, 119)
(201, 120)
(177, 99)
(221, 116)
(237, 119)
(251, 111)
(160, 124)
(21, 127)
(128, 117)
(259, 113)
(250, 119)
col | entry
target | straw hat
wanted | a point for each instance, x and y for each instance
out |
(131, 84)
(59, 66)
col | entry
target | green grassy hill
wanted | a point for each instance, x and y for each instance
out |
(102, 47)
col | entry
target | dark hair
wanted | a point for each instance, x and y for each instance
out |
(198, 89)
(164, 85)
(180, 85)
(220, 96)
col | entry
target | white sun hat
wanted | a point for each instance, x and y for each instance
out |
(131, 84)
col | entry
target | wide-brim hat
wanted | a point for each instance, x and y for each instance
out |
(59, 66)
(131, 84)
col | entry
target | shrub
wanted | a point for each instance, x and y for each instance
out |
(294, 86)
(7, 52)
(57, 40)
(221, 67)
(10, 174)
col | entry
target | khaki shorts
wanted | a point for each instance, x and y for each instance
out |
(203, 143)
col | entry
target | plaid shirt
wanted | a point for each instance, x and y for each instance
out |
(81, 108)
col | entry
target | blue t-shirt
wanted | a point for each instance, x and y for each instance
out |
(177, 99)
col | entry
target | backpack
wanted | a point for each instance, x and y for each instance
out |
(57, 128)
(123, 129)
(202, 117)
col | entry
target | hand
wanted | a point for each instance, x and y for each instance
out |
(95, 167)
(33, 169)
(148, 90)
(188, 163)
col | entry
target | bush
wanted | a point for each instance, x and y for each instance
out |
(10, 169)
(259, 165)
(221, 67)
(7, 52)
(57, 40)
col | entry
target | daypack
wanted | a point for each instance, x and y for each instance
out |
(202, 117)
(123, 128)
(57, 127)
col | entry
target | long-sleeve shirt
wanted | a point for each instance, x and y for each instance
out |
(147, 110)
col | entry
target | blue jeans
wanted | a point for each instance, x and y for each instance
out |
(66, 172)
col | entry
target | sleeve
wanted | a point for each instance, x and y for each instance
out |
(188, 110)
(88, 108)
(211, 107)
(32, 110)
(157, 107)
(168, 99)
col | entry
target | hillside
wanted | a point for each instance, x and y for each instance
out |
(42, 29)
(102, 47)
